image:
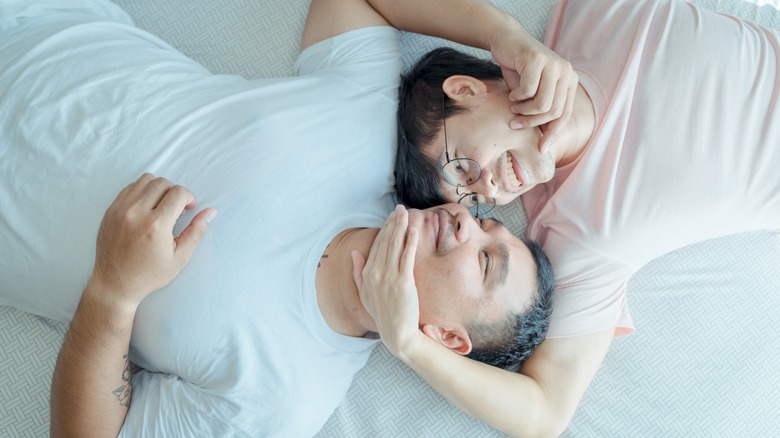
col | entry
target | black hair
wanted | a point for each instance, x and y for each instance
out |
(507, 343)
(420, 118)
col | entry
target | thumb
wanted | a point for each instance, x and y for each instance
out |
(358, 263)
(549, 133)
(189, 239)
(511, 78)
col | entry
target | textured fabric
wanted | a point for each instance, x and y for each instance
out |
(685, 148)
(696, 367)
(226, 348)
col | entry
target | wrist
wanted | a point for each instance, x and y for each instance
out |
(109, 298)
(506, 25)
(100, 315)
(413, 347)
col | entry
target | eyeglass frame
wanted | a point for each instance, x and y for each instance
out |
(448, 161)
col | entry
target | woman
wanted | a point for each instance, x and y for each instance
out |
(670, 143)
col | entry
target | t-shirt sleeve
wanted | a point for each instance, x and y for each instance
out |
(590, 293)
(165, 405)
(370, 57)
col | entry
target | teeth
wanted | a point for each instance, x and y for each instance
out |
(510, 171)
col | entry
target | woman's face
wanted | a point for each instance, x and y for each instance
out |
(510, 158)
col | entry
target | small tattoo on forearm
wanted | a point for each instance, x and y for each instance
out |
(124, 392)
(324, 256)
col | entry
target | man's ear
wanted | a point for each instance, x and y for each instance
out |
(456, 340)
(460, 87)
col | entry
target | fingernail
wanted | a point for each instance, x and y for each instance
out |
(210, 217)
(516, 125)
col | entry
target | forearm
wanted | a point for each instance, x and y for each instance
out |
(471, 22)
(91, 385)
(510, 402)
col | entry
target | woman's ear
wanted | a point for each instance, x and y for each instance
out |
(456, 340)
(460, 87)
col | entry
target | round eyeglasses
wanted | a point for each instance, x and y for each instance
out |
(462, 172)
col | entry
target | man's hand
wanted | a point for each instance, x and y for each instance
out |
(136, 250)
(542, 84)
(136, 254)
(386, 282)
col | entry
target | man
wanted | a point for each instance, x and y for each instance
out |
(666, 147)
(137, 255)
(225, 349)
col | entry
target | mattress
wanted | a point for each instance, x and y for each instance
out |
(704, 361)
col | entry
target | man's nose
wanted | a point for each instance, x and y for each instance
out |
(462, 226)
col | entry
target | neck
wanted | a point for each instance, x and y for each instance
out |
(573, 142)
(337, 293)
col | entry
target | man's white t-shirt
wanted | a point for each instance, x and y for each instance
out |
(686, 147)
(236, 344)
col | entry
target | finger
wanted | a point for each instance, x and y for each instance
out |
(559, 100)
(376, 246)
(552, 111)
(511, 78)
(558, 125)
(529, 121)
(410, 251)
(388, 231)
(568, 107)
(517, 122)
(173, 204)
(189, 239)
(150, 195)
(541, 102)
(525, 121)
(129, 196)
(135, 189)
(530, 76)
(396, 244)
(146, 178)
(189, 206)
(551, 134)
(388, 238)
(545, 95)
(358, 263)
(548, 139)
(137, 185)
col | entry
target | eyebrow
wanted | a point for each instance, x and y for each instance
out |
(503, 264)
(503, 256)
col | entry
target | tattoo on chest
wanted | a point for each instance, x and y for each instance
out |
(124, 392)
(324, 256)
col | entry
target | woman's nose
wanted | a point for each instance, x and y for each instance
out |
(487, 184)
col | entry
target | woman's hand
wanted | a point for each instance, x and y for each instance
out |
(136, 250)
(542, 85)
(386, 282)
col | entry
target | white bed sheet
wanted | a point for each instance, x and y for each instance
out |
(705, 360)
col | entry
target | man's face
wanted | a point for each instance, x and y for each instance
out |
(510, 158)
(469, 270)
